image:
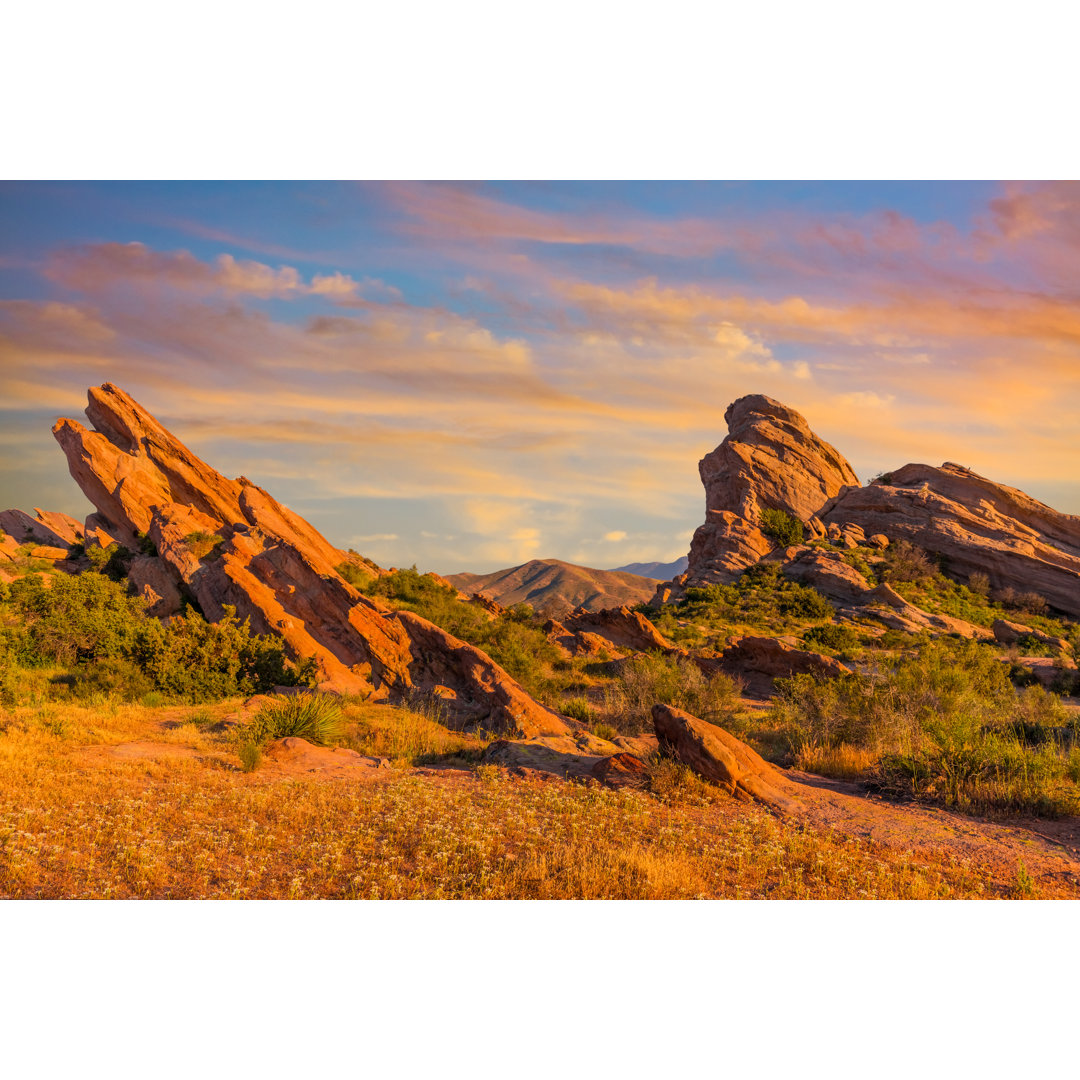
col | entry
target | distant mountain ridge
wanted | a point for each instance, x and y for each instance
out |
(549, 584)
(665, 571)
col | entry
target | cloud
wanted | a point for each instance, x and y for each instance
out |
(615, 536)
(95, 268)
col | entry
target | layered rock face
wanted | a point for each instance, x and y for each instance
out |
(228, 542)
(977, 525)
(770, 460)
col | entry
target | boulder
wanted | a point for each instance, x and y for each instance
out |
(625, 629)
(777, 659)
(826, 571)
(1008, 633)
(719, 757)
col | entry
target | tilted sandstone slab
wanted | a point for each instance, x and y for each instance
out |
(775, 659)
(978, 526)
(1009, 633)
(229, 544)
(722, 759)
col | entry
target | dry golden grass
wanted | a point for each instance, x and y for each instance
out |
(841, 761)
(82, 823)
(405, 736)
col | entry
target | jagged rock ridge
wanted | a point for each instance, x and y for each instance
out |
(229, 542)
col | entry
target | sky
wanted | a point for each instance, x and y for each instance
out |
(466, 376)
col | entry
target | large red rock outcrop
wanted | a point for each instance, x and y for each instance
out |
(770, 460)
(229, 544)
(978, 526)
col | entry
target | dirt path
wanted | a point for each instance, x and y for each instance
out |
(1050, 848)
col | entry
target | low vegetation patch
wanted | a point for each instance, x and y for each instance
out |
(944, 724)
(315, 717)
(647, 680)
(96, 639)
(782, 527)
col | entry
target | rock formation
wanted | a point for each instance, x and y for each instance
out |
(771, 459)
(978, 526)
(625, 629)
(229, 544)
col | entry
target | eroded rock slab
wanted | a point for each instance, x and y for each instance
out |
(720, 758)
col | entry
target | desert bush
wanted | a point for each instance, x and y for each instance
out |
(356, 576)
(110, 675)
(203, 544)
(833, 637)
(648, 680)
(112, 561)
(89, 623)
(979, 584)
(904, 562)
(944, 723)
(762, 597)
(578, 708)
(315, 717)
(782, 527)
(250, 755)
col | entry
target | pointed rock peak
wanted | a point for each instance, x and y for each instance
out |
(772, 460)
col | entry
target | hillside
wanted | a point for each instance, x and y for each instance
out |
(556, 586)
(664, 571)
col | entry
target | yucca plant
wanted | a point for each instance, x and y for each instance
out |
(315, 717)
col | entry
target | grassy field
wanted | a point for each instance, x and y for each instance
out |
(184, 820)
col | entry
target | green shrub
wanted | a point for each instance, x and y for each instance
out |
(782, 527)
(578, 708)
(906, 563)
(831, 636)
(111, 675)
(112, 561)
(250, 756)
(647, 680)
(203, 544)
(944, 724)
(89, 623)
(355, 576)
(315, 717)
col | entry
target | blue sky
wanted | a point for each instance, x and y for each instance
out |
(469, 375)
